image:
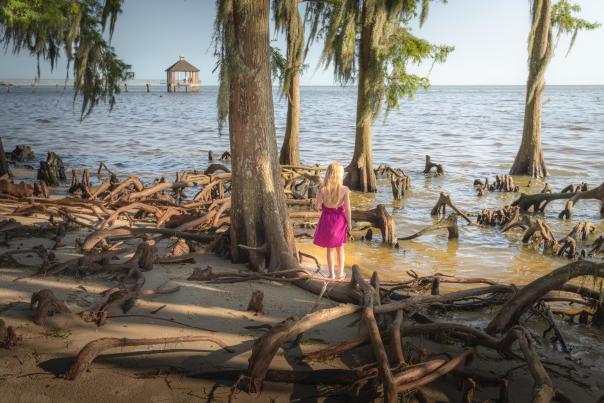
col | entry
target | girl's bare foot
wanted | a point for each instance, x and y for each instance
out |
(341, 277)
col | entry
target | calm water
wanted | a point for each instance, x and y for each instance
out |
(473, 131)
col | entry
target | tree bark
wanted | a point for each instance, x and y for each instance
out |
(290, 150)
(4, 169)
(529, 160)
(360, 175)
(258, 212)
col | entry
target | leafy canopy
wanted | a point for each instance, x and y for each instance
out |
(565, 21)
(44, 28)
(381, 26)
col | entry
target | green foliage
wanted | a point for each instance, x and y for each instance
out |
(287, 19)
(44, 28)
(380, 26)
(565, 22)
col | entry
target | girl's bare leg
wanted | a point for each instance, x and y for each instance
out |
(341, 256)
(330, 262)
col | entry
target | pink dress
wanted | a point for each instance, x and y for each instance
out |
(331, 230)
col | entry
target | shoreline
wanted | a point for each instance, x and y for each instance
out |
(219, 307)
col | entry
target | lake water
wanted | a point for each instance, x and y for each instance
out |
(473, 131)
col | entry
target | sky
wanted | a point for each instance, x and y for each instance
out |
(489, 37)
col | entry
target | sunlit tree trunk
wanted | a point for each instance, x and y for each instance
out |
(290, 150)
(529, 160)
(360, 175)
(258, 212)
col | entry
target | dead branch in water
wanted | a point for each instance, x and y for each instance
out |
(449, 223)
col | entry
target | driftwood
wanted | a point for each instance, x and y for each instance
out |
(522, 301)
(91, 350)
(440, 170)
(399, 181)
(538, 202)
(46, 304)
(449, 223)
(440, 208)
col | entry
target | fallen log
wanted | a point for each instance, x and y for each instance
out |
(91, 350)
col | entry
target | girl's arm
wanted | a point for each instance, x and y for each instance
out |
(318, 200)
(347, 209)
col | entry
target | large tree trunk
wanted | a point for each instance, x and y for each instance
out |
(529, 160)
(360, 175)
(290, 150)
(258, 213)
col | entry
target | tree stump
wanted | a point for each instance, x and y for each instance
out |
(46, 304)
(52, 170)
(8, 337)
(22, 153)
(378, 217)
(21, 189)
(440, 170)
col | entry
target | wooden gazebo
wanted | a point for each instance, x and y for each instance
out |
(182, 74)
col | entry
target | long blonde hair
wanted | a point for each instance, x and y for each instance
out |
(332, 183)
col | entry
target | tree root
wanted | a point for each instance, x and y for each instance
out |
(440, 170)
(378, 217)
(255, 305)
(46, 304)
(528, 295)
(449, 223)
(91, 350)
(504, 183)
(8, 337)
(440, 208)
(597, 194)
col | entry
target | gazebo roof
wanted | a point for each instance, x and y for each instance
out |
(182, 65)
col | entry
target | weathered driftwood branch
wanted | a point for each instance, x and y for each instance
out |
(440, 170)
(440, 208)
(497, 217)
(449, 223)
(91, 350)
(379, 217)
(46, 304)
(538, 202)
(528, 295)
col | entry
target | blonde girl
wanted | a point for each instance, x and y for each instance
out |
(333, 200)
